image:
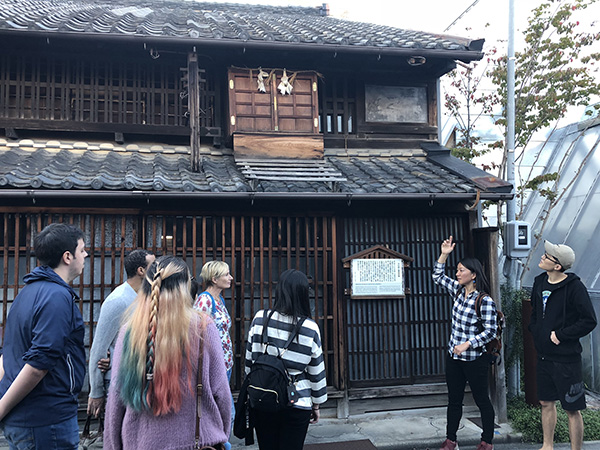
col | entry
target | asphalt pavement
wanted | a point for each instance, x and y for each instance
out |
(416, 429)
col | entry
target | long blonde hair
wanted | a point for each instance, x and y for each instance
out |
(157, 341)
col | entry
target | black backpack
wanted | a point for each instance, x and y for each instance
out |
(270, 386)
(493, 347)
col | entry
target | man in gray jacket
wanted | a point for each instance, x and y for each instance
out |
(109, 323)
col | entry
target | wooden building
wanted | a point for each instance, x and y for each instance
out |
(268, 137)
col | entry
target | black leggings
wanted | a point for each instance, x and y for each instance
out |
(476, 373)
(281, 430)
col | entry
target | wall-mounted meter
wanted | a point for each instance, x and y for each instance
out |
(517, 239)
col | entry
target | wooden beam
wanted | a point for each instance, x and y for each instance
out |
(397, 143)
(278, 145)
(398, 391)
(73, 125)
(194, 110)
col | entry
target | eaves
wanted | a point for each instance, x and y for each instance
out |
(189, 44)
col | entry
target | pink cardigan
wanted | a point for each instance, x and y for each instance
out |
(127, 429)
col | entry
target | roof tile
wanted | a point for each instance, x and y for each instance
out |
(76, 165)
(194, 20)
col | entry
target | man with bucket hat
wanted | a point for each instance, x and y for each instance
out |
(562, 313)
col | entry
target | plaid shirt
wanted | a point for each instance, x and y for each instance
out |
(464, 317)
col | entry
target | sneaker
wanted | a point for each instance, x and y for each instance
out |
(485, 446)
(449, 445)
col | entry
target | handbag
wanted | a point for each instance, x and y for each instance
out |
(199, 388)
(91, 439)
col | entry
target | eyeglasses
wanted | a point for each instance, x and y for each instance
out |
(551, 258)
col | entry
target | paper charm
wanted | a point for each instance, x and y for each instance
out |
(285, 87)
(260, 80)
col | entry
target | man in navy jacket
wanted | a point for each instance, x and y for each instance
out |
(43, 365)
(562, 314)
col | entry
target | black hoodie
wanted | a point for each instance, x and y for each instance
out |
(569, 313)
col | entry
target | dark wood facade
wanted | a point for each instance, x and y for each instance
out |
(116, 91)
(137, 95)
(367, 343)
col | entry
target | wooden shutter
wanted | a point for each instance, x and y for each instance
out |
(255, 111)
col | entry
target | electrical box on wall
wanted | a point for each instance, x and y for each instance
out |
(517, 239)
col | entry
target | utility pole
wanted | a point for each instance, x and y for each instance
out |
(511, 268)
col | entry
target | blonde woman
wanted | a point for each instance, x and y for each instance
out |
(156, 364)
(216, 277)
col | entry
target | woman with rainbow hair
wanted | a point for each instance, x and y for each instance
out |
(156, 363)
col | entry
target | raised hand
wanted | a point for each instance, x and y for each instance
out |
(448, 246)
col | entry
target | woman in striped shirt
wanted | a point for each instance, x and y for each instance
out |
(303, 361)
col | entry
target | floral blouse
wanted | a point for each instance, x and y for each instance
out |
(216, 309)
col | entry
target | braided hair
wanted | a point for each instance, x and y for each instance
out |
(157, 340)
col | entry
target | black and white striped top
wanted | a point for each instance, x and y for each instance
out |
(303, 359)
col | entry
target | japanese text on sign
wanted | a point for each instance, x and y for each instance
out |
(377, 277)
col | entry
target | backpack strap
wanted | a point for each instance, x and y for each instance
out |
(478, 302)
(265, 335)
(214, 306)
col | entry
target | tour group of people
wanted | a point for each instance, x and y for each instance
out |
(162, 356)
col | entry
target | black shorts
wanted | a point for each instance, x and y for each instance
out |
(561, 381)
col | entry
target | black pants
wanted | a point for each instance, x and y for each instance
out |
(457, 375)
(282, 430)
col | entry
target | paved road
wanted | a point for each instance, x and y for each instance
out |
(520, 446)
(514, 446)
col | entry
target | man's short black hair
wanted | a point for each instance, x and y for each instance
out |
(54, 240)
(135, 259)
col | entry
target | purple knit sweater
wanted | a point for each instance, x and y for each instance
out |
(127, 429)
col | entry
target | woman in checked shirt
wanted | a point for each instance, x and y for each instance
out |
(466, 360)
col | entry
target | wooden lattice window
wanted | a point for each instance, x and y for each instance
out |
(99, 91)
(337, 115)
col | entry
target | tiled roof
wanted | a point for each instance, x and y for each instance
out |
(75, 166)
(198, 21)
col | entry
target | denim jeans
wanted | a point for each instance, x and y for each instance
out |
(59, 436)
(228, 444)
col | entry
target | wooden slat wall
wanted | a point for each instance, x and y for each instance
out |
(389, 341)
(257, 248)
(108, 239)
(398, 341)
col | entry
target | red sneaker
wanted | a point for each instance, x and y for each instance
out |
(449, 445)
(485, 446)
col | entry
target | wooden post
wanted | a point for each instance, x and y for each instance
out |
(486, 250)
(194, 110)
